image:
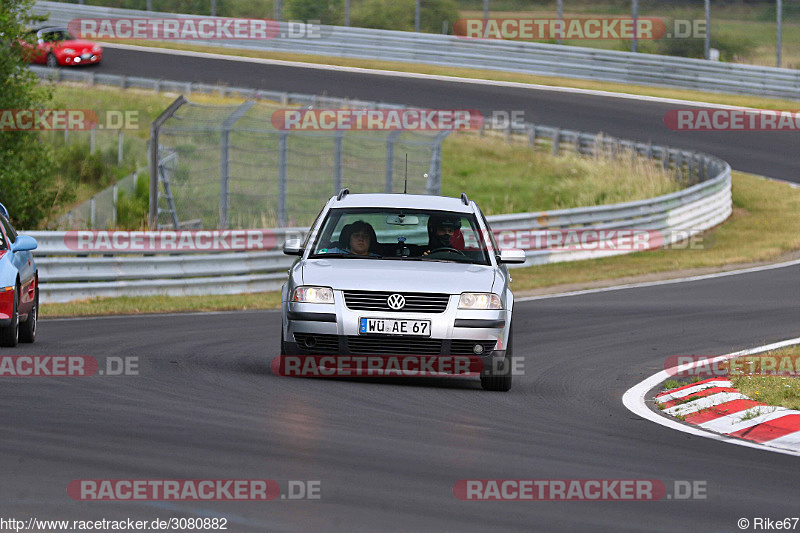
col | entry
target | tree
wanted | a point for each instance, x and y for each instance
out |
(28, 185)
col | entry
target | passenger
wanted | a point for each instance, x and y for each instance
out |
(358, 238)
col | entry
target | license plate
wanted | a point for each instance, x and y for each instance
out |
(86, 56)
(392, 326)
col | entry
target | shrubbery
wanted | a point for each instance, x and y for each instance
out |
(729, 46)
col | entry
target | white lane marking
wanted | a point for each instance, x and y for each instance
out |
(691, 390)
(635, 401)
(434, 77)
(661, 282)
(734, 422)
(705, 402)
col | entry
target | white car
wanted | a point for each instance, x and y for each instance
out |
(401, 274)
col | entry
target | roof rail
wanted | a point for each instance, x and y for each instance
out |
(464, 198)
(342, 193)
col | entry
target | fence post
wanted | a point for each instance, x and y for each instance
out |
(91, 213)
(337, 161)
(224, 172)
(532, 136)
(556, 140)
(114, 198)
(434, 185)
(153, 156)
(390, 142)
(91, 139)
(282, 163)
(119, 147)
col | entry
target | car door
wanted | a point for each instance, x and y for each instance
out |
(23, 261)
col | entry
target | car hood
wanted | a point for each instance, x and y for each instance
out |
(76, 44)
(390, 275)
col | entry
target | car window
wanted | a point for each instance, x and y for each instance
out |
(9, 229)
(400, 234)
(55, 36)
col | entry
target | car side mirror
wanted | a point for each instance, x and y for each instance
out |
(24, 243)
(293, 247)
(511, 256)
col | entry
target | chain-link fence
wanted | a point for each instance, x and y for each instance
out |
(230, 167)
(101, 211)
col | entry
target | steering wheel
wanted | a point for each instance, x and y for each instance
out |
(447, 249)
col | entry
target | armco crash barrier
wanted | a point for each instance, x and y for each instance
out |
(74, 267)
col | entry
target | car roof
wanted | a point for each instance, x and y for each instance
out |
(408, 201)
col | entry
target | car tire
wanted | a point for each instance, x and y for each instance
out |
(500, 379)
(9, 335)
(27, 330)
(52, 62)
(283, 344)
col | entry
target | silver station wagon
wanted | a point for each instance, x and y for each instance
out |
(401, 274)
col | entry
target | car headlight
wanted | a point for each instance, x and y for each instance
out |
(313, 295)
(479, 300)
(68, 51)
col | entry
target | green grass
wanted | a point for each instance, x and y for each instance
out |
(512, 178)
(774, 390)
(162, 304)
(763, 226)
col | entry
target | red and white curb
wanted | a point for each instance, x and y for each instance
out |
(716, 410)
(721, 408)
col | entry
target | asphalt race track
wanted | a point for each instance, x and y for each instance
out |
(387, 454)
(773, 154)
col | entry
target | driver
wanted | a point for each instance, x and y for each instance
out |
(441, 232)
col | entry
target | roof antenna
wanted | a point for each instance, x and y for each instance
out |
(405, 187)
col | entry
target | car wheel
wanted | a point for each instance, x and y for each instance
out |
(27, 330)
(52, 62)
(499, 379)
(283, 344)
(9, 335)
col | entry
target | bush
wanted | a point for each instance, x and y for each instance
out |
(326, 11)
(399, 15)
(133, 211)
(729, 46)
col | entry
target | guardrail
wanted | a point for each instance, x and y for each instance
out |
(508, 56)
(126, 273)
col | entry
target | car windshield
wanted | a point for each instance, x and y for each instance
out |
(55, 36)
(400, 234)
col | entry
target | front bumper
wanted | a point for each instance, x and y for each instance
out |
(333, 329)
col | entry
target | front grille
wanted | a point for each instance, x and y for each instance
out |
(369, 345)
(416, 302)
(466, 347)
(320, 344)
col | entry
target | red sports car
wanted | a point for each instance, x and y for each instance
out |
(55, 46)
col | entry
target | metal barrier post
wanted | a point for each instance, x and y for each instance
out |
(153, 154)
(282, 163)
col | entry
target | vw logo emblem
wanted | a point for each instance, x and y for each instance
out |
(396, 301)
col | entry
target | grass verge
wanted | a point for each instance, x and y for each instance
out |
(493, 75)
(775, 390)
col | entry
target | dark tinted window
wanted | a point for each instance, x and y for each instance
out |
(9, 230)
